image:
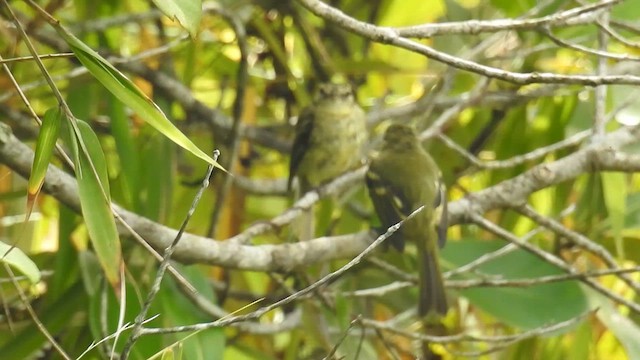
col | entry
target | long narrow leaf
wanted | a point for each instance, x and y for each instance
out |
(96, 209)
(127, 153)
(20, 261)
(95, 199)
(45, 145)
(123, 89)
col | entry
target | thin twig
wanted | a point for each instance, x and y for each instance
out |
(580, 240)
(42, 56)
(390, 36)
(573, 16)
(600, 53)
(552, 259)
(155, 288)
(448, 339)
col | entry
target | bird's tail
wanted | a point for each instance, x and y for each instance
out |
(432, 295)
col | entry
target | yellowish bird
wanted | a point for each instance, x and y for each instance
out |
(401, 178)
(330, 138)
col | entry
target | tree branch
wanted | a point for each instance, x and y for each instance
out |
(285, 257)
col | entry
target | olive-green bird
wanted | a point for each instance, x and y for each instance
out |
(402, 177)
(330, 137)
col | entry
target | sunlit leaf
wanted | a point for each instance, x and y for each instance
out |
(126, 91)
(20, 261)
(186, 12)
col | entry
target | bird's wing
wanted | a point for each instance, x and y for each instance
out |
(304, 127)
(390, 203)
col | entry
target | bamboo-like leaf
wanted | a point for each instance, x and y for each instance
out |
(126, 91)
(45, 145)
(127, 153)
(187, 12)
(65, 266)
(95, 202)
(20, 261)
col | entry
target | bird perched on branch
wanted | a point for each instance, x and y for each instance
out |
(402, 177)
(330, 138)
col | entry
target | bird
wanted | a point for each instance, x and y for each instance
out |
(402, 177)
(330, 137)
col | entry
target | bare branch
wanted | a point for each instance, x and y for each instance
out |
(391, 36)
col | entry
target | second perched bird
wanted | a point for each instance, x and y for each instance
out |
(402, 177)
(330, 135)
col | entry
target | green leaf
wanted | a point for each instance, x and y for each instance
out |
(614, 186)
(156, 178)
(96, 209)
(91, 272)
(126, 91)
(187, 12)
(128, 155)
(65, 268)
(206, 344)
(45, 145)
(20, 261)
(626, 10)
(522, 307)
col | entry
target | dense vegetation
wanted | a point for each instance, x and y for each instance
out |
(529, 108)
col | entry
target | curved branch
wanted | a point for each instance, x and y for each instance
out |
(515, 191)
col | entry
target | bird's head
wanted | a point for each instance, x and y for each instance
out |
(399, 136)
(334, 93)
